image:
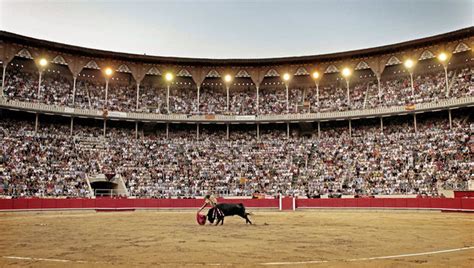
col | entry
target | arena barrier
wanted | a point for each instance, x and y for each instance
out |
(464, 194)
(286, 203)
(462, 204)
(125, 203)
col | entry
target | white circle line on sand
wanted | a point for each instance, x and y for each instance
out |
(293, 263)
(40, 259)
(414, 254)
(374, 258)
(279, 263)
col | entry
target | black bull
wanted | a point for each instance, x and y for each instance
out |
(227, 210)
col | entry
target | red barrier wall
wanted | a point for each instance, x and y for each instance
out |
(460, 194)
(287, 203)
(415, 203)
(50, 203)
(407, 203)
(257, 203)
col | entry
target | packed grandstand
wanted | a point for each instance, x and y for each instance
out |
(394, 120)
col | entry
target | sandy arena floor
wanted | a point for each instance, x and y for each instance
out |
(319, 238)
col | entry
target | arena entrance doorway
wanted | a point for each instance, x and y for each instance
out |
(108, 185)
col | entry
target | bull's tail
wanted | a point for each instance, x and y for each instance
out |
(246, 213)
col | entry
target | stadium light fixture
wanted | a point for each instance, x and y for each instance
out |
(442, 57)
(43, 62)
(286, 78)
(316, 81)
(109, 71)
(227, 79)
(316, 75)
(169, 77)
(346, 72)
(409, 64)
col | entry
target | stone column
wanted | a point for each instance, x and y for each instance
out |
(72, 126)
(36, 123)
(3, 79)
(414, 122)
(319, 130)
(450, 119)
(350, 128)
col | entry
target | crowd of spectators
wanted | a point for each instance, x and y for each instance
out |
(397, 161)
(39, 165)
(56, 89)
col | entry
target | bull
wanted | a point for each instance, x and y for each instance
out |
(225, 210)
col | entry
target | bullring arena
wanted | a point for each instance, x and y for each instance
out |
(316, 238)
(360, 158)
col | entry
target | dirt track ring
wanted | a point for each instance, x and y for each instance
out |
(172, 238)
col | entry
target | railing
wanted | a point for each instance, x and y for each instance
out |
(326, 116)
(109, 192)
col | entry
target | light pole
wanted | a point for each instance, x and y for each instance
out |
(379, 88)
(74, 90)
(198, 96)
(443, 57)
(258, 99)
(346, 73)
(3, 78)
(316, 82)
(286, 79)
(169, 78)
(42, 62)
(108, 74)
(227, 80)
(138, 95)
(409, 66)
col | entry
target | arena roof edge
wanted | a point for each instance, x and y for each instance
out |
(360, 53)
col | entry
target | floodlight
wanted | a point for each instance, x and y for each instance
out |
(346, 72)
(108, 71)
(43, 62)
(442, 57)
(169, 77)
(409, 64)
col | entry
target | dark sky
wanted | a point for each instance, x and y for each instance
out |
(233, 29)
